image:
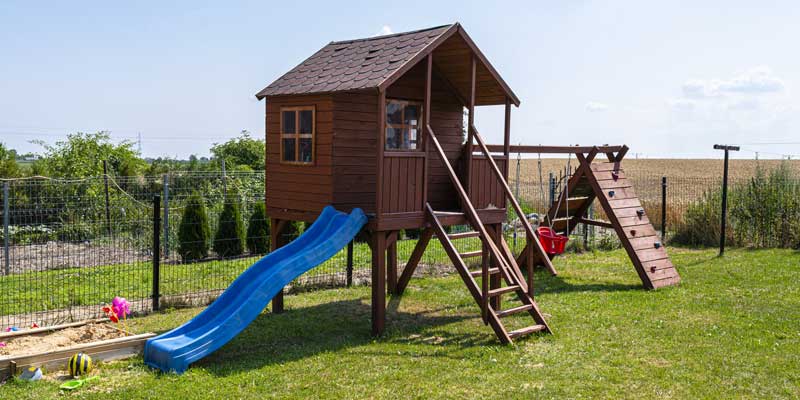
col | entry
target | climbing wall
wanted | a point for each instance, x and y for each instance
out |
(629, 220)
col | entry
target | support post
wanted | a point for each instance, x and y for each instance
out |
(663, 209)
(276, 241)
(166, 215)
(391, 265)
(507, 137)
(379, 160)
(724, 213)
(6, 222)
(349, 271)
(156, 251)
(422, 137)
(470, 122)
(378, 283)
(108, 201)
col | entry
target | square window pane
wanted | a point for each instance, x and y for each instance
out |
(393, 138)
(412, 113)
(306, 121)
(288, 149)
(306, 150)
(412, 139)
(288, 121)
(394, 113)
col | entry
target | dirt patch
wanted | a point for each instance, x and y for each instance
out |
(60, 339)
(61, 255)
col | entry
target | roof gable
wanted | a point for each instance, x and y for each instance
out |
(369, 63)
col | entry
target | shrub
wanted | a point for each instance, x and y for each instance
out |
(258, 231)
(194, 232)
(700, 225)
(30, 234)
(229, 240)
(75, 232)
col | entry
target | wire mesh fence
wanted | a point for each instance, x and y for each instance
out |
(71, 245)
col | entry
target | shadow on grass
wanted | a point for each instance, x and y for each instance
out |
(310, 331)
(546, 283)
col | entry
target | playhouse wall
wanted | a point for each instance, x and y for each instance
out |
(299, 192)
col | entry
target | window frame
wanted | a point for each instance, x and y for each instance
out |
(419, 126)
(297, 135)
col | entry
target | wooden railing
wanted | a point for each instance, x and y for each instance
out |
(531, 237)
(472, 215)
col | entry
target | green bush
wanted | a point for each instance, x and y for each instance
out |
(764, 212)
(194, 232)
(75, 232)
(229, 239)
(30, 234)
(258, 231)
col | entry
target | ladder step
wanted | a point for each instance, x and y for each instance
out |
(503, 290)
(464, 235)
(526, 331)
(470, 254)
(477, 274)
(511, 311)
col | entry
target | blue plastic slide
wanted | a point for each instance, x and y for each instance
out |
(249, 294)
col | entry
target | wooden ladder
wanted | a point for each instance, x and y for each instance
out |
(494, 251)
(606, 183)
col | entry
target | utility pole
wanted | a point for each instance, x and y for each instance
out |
(727, 149)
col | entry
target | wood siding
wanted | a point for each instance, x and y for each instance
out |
(402, 184)
(355, 126)
(485, 188)
(299, 189)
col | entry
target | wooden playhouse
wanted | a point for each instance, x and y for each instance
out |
(378, 123)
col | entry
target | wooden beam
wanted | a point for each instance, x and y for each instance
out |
(391, 266)
(417, 58)
(378, 283)
(499, 148)
(379, 160)
(476, 52)
(468, 149)
(276, 241)
(507, 137)
(413, 261)
(426, 117)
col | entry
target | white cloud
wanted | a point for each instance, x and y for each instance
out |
(744, 105)
(385, 30)
(681, 104)
(757, 80)
(594, 106)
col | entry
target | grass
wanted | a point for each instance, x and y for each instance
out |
(730, 330)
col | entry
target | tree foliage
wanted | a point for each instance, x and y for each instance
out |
(242, 152)
(229, 239)
(82, 155)
(258, 230)
(8, 162)
(194, 232)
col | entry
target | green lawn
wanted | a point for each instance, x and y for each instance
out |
(730, 330)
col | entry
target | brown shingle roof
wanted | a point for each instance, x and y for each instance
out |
(353, 64)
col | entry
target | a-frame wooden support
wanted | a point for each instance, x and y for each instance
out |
(606, 183)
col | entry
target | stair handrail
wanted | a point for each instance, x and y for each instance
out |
(473, 215)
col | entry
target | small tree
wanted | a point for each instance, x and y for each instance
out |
(194, 232)
(258, 231)
(229, 240)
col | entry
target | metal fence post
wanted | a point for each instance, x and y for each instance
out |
(663, 209)
(6, 222)
(350, 264)
(166, 215)
(156, 250)
(108, 201)
(224, 180)
(552, 190)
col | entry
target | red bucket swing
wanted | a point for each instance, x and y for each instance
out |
(552, 242)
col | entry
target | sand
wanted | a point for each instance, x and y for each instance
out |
(46, 342)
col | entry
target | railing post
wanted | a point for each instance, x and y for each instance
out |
(349, 272)
(663, 208)
(108, 205)
(166, 215)
(516, 193)
(156, 250)
(552, 190)
(6, 222)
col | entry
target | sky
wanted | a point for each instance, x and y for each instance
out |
(669, 79)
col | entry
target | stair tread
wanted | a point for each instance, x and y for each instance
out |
(469, 254)
(513, 310)
(526, 330)
(503, 290)
(478, 273)
(464, 235)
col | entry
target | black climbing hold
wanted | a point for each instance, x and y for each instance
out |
(657, 245)
(610, 193)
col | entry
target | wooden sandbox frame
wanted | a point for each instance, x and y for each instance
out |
(104, 350)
